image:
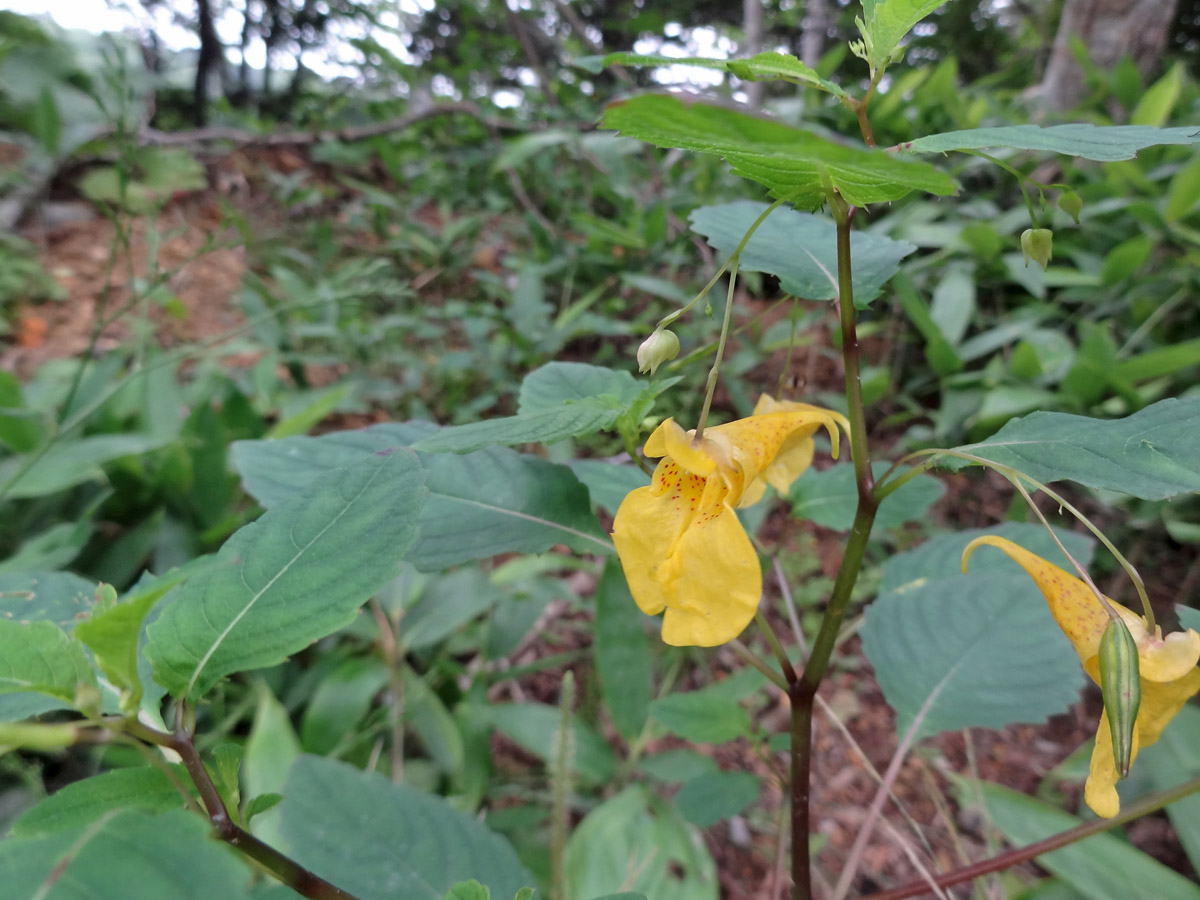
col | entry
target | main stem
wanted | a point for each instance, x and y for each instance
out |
(804, 691)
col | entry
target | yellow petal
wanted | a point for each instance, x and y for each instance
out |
(1100, 790)
(1168, 658)
(1072, 603)
(717, 582)
(1161, 701)
(758, 440)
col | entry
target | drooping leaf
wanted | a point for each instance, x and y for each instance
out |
(83, 802)
(792, 163)
(37, 657)
(964, 651)
(638, 841)
(480, 504)
(622, 653)
(297, 574)
(801, 249)
(391, 840)
(884, 24)
(1153, 454)
(1102, 866)
(1104, 143)
(128, 855)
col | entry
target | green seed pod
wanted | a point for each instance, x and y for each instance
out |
(1121, 685)
(1037, 244)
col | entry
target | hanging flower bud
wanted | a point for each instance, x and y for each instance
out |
(1121, 686)
(657, 349)
(1036, 244)
(1071, 203)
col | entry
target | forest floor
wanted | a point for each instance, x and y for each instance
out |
(856, 737)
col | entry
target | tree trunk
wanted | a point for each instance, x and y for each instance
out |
(816, 24)
(211, 53)
(752, 25)
(1110, 29)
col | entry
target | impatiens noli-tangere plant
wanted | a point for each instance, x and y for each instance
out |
(398, 516)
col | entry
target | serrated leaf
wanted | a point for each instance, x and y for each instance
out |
(297, 574)
(1100, 867)
(480, 504)
(82, 802)
(1153, 454)
(392, 840)
(636, 840)
(1103, 143)
(885, 23)
(622, 653)
(828, 497)
(792, 163)
(801, 249)
(970, 651)
(37, 657)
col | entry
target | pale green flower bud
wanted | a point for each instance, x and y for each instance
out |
(657, 349)
(1036, 244)
(1121, 686)
(1071, 203)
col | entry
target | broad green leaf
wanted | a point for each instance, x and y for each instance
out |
(884, 24)
(558, 384)
(297, 574)
(391, 840)
(340, 701)
(270, 750)
(1172, 761)
(792, 163)
(622, 653)
(1184, 192)
(1165, 360)
(941, 555)
(1153, 454)
(677, 766)
(433, 724)
(707, 799)
(533, 726)
(801, 249)
(965, 651)
(127, 855)
(711, 715)
(37, 657)
(1100, 867)
(1104, 143)
(1123, 260)
(608, 483)
(1156, 104)
(68, 463)
(638, 841)
(544, 427)
(760, 67)
(480, 504)
(83, 802)
(829, 497)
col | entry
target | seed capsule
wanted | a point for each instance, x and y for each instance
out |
(1121, 686)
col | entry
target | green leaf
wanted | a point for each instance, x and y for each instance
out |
(1184, 192)
(1103, 143)
(884, 24)
(1100, 867)
(801, 249)
(446, 605)
(533, 726)
(480, 504)
(1152, 454)
(1172, 761)
(790, 162)
(828, 497)
(707, 799)
(128, 855)
(965, 651)
(297, 574)
(340, 701)
(941, 555)
(622, 653)
(1166, 360)
(712, 714)
(1156, 104)
(468, 890)
(608, 483)
(760, 67)
(68, 463)
(270, 750)
(1123, 260)
(638, 841)
(559, 384)
(83, 802)
(37, 657)
(391, 840)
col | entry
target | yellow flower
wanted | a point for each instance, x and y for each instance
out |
(679, 539)
(1167, 665)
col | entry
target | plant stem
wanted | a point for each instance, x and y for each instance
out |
(803, 692)
(1148, 804)
(711, 388)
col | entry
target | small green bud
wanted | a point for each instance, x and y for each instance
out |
(657, 349)
(1121, 686)
(1036, 244)
(88, 699)
(1071, 203)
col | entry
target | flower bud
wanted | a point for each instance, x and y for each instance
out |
(1121, 686)
(1071, 203)
(1036, 244)
(657, 349)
